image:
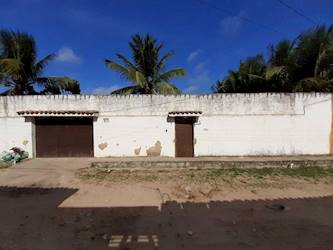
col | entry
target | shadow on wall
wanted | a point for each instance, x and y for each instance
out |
(31, 219)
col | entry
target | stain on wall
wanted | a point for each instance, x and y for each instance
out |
(137, 151)
(102, 146)
(25, 142)
(246, 123)
(155, 150)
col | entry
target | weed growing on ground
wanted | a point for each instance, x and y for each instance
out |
(309, 172)
(4, 165)
(228, 176)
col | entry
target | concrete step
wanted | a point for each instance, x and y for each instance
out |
(197, 164)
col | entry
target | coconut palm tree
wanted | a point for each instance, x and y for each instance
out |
(305, 64)
(249, 76)
(147, 69)
(281, 66)
(20, 71)
(314, 58)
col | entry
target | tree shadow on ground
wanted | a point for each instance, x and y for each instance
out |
(30, 218)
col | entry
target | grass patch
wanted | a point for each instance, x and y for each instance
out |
(215, 175)
(108, 175)
(4, 165)
(310, 172)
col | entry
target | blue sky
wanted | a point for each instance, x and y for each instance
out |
(208, 42)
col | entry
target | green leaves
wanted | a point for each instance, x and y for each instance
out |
(282, 53)
(122, 70)
(305, 64)
(20, 72)
(40, 66)
(127, 91)
(167, 76)
(147, 68)
(167, 89)
(59, 85)
(314, 84)
(10, 66)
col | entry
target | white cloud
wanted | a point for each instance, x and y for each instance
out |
(191, 89)
(200, 67)
(66, 54)
(232, 24)
(200, 77)
(105, 90)
(193, 55)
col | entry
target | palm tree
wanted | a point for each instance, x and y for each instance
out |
(250, 77)
(314, 58)
(147, 70)
(305, 64)
(281, 66)
(20, 71)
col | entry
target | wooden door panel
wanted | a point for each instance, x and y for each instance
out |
(184, 137)
(64, 137)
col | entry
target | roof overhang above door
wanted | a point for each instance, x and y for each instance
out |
(58, 113)
(185, 114)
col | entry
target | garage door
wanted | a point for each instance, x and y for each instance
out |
(64, 137)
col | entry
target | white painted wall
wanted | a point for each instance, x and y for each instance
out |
(231, 124)
(306, 131)
(15, 132)
(123, 134)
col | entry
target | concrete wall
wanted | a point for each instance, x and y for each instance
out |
(133, 136)
(16, 132)
(231, 124)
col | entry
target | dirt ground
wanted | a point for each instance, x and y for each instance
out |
(49, 204)
(227, 184)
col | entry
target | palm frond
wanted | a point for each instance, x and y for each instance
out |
(123, 71)
(18, 45)
(167, 89)
(274, 72)
(19, 70)
(281, 53)
(165, 77)
(40, 65)
(161, 64)
(138, 78)
(128, 90)
(324, 63)
(130, 74)
(59, 85)
(126, 61)
(18, 55)
(313, 84)
(253, 77)
(146, 69)
(10, 66)
(309, 45)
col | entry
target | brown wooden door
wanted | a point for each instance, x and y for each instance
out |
(64, 137)
(184, 137)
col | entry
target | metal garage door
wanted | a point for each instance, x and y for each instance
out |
(64, 137)
(184, 137)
